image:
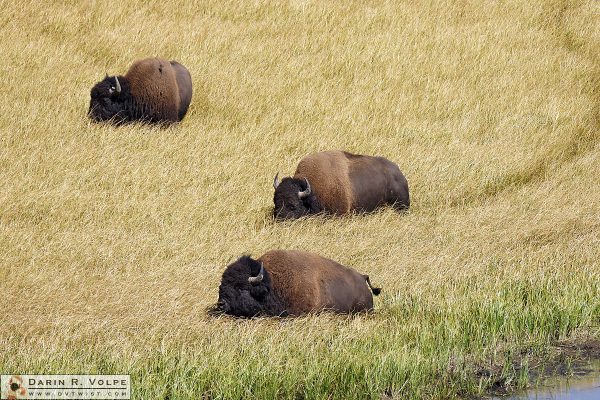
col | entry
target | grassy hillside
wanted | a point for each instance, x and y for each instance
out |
(112, 240)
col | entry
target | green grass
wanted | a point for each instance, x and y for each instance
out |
(113, 240)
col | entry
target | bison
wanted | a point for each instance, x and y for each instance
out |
(339, 182)
(153, 90)
(292, 283)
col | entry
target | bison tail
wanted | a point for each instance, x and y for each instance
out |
(375, 290)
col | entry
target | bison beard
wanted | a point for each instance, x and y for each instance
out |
(238, 297)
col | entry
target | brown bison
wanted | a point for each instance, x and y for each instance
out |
(153, 90)
(287, 282)
(339, 182)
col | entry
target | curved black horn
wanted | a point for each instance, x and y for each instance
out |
(276, 181)
(258, 278)
(117, 85)
(307, 192)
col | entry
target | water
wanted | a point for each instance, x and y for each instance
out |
(577, 387)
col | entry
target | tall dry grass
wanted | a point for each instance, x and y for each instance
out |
(113, 239)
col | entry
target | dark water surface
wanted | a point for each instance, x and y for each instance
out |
(581, 386)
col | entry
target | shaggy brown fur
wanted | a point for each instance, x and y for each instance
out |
(328, 174)
(153, 82)
(307, 282)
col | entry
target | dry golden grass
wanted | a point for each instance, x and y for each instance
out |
(113, 239)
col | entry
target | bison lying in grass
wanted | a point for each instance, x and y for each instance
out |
(292, 283)
(153, 90)
(339, 182)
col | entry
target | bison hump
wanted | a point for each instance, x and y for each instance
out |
(154, 87)
(328, 175)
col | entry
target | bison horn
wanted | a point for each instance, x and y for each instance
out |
(276, 181)
(258, 278)
(307, 192)
(117, 85)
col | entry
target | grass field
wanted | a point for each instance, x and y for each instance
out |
(112, 240)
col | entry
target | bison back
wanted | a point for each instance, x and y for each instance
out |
(307, 283)
(376, 181)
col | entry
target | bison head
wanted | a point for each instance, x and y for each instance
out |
(108, 98)
(294, 198)
(246, 291)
